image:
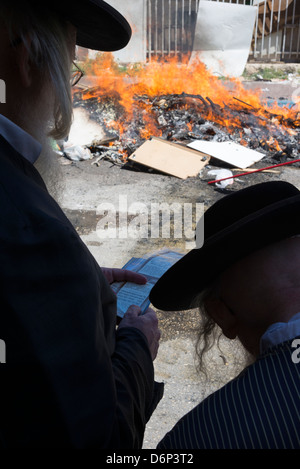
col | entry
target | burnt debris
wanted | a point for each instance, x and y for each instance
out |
(185, 117)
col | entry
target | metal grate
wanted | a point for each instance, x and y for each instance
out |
(171, 27)
(239, 2)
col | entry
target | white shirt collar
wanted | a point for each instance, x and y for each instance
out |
(20, 140)
(280, 332)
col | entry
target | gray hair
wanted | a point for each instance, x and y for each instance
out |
(208, 333)
(46, 36)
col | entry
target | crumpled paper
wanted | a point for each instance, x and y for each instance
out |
(220, 174)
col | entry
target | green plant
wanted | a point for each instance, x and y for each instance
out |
(266, 73)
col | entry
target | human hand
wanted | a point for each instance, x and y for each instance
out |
(123, 275)
(146, 323)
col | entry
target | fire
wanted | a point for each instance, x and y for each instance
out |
(273, 144)
(224, 102)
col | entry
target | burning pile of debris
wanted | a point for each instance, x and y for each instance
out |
(183, 103)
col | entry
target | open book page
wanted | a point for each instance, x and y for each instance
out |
(152, 266)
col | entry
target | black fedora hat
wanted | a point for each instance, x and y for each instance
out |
(99, 25)
(235, 226)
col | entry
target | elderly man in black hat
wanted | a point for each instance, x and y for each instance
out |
(246, 278)
(71, 379)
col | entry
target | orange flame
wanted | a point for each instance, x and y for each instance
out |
(173, 78)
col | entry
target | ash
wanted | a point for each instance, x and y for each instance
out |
(184, 118)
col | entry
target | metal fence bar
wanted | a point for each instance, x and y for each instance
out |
(271, 31)
(176, 26)
(292, 30)
(182, 24)
(149, 25)
(284, 33)
(163, 29)
(255, 34)
(263, 30)
(170, 22)
(154, 26)
(277, 35)
(240, 2)
(298, 42)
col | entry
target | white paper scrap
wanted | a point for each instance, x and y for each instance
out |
(220, 174)
(229, 152)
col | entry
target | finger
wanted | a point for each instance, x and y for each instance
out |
(136, 278)
(133, 310)
(150, 310)
(151, 314)
(123, 275)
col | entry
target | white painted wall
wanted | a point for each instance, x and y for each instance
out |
(135, 13)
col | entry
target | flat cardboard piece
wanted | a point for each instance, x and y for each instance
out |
(229, 152)
(170, 158)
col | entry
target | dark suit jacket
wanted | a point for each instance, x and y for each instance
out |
(257, 410)
(70, 380)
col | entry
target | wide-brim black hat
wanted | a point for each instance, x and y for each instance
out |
(235, 226)
(99, 25)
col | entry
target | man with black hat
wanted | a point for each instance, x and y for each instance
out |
(71, 380)
(246, 278)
